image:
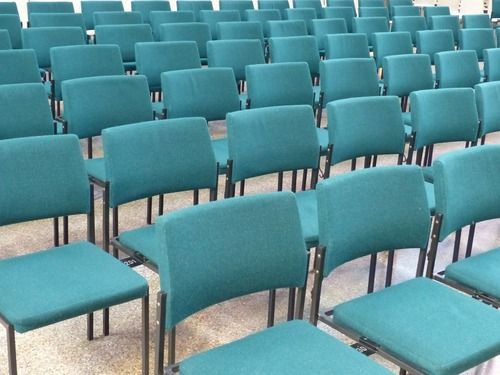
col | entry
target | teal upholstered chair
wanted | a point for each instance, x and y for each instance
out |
(158, 18)
(346, 78)
(466, 194)
(391, 4)
(476, 21)
(195, 6)
(374, 12)
(476, 40)
(19, 66)
(413, 323)
(341, 46)
(430, 42)
(369, 26)
(296, 48)
(154, 58)
(213, 17)
(58, 20)
(279, 5)
(405, 11)
(240, 30)
(12, 24)
(491, 57)
(5, 40)
(410, 24)
(49, 7)
(273, 254)
(446, 23)
(45, 177)
(304, 14)
(90, 6)
(430, 12)
(8, 7)
(371, 3)
(391, 43)
(314, 4)
(184, 31)
(495, 7)
(168, 156)
(320, 28)
(457, 69)
(342, 3)
(125, 37)
(487, 95)
(262, 16)
(240, 5)
(145, 7)
(117, 18)
(286, 28)
(347, 13)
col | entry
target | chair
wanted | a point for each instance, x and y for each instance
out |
(476, 40)
(347, 13)
(370, 25)
(495, 6)
(342, 3)
(279, 5)
(262, 16)
(213, 17)
(117, 18)
(19, 66)
(391, 43)
(489, 117)
(145, 7)
(286, 28)
(240, 5)
(476, 21)
(321, 28)
(447, 23)
(430, 12)
(342, 46)
(296, 48)
(410, 24)
(374, 12)
(195, 6)
(240, 30)
(430, 42)
(314, 4)
(58, 20)
(400, 322)
(12, 24)
(491, 57)
(346, 78)
(8, 7)
(154, 58)
(5, 40)
(279, 259)
(457, 69)
(48, 7)
(158, 18)
(371, 3)
(305, 14)
(391, 4)
(188, 31)
(125, 37)
(405, 11)
(91, 6)
(45, 177)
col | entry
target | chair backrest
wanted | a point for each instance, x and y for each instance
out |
(467, 185)
(487, 95)
(168, 156)
(430, 42)
(342, 3)
(25, 111)
(86, 61)
(296, 48)
(372, 210)
(457, 69)
(157, 18)
(154, 58)
(91, 6)
(322, 27)
(92, 104)
(124, 36)
(8, 7)
(365, 126)
(411, 24)
(262, 16)
(117, 18)
(371, 3)
(392, 4)
(461, 120)
(405, 11)
(5, 40)
(42, 39)
(195, 6)
(12, 24)
(347, 13)
(374, 12)
(391, 43)
(58, 19)
(404, 74)
(185, 31)
(146, 6)
(279, 5)
(495, 9)
(476, 21)
(370, 25)
(270, 252)
(348, 78)
(210, 93)
(430, 12)
(49, 7)
(213, 17)
(240, 30)
(235, 54)
(19, 66)
(491, 57)
(314, 4)
(341, 46)
(240, 5)
(286, 28)
(476, 40)
(446, 23)
(304, 14)
(42, 177)
(279, 84)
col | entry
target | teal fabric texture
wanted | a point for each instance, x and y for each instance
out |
(411, 24)
(213, 17)
(476, 40)
(314, 4)
(487, 94)
(491, 57)
(343, 46)
(19, 66)
(430, 42)
(49, 7)
(391, 43)
(346, 13)
(240, 5)
(405, 11)
(8, 7)
(262, 16)
(430, 12)
(295, 48)
(58, 20)
(240, 30)
(145, 7)
(279, 5)
(404, 74)
(374, 12)
(142, 240)
(117, 18)
(199, 32)
(12, 24)
(195, 6)
(286, 28)
(158, 18)
(476, 21)
(91, 6)
(304, 14)
(446, 23)
(5, 40)
(457, 69)
(370, 25)
(320, 28)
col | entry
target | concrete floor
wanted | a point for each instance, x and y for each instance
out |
(63, 349)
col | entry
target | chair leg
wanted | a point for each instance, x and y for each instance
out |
(145, 335)
(271, 308)
(291, 304)
(11, 350)
(160, 334)
(90, 326)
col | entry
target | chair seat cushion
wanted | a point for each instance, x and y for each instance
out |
(141, 240)
(95, 168)
(428, 174)
(64, 282)
(221, 152)
(431, 199)
(430, 326)
(308, 213)
(406, 118)
(408, 131)
(294, 347)
(323, 139)
(480, 272)
(158, 109)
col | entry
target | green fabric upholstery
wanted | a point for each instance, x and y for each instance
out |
(364, 127)
(476, 21)
(94, 103)
(221, 153)
(323, 27)
(466, 193)
(495, 7)
(446, 23)
(487, 95)
(117, 18)
(341, 46)
(430, 12)
(280, 5)
(412, 24)
(374, 12)
(286, 28)
(240, 5)
(157, 157)
(391, 43)
(95, 168)
(19, 66)
(91, 6)
(346, 13)
(457, 69)
(430, 42)
(371, 3)
(25, 111)
(431, 197)
(154, 58)
(146, 6)
(49, 7)
(476, 40)
(8, 7)
(273, 139)
(404, 74)
(42, 177)
(279, 84)
(143, 240)
(370, 25)
(372, 210)
(5, 40)
(62, 283)
(405, 10)
(210, 93)
(461, 120)
(58, 19)
(491, 57)
(240, 30)
(314, 4)
(295, 48)
(86, 61)
(182, 31)
(342, 3)
(158, 18)
(198, 242)
(290, 348)
(304, 14)
(212, 17)
(418, 322)
(42, 39)
(391, 4)
(262, 16)
(235, 54)
(307, 204)
(12, 24)
(195, 6)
